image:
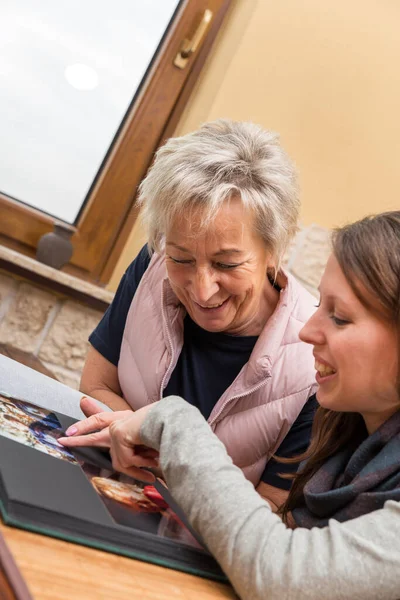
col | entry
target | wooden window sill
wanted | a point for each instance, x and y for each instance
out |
(52, 279)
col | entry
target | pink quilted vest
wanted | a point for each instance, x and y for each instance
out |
(256, 412)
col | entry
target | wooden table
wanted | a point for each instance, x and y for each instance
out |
(57, 570)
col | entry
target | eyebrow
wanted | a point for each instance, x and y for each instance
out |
(177, 247)
(228, 251)
(335, 299)
(219, 253)
(326, 296)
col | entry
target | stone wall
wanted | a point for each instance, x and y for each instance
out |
(307, 256)
(55, 328)
(40, 313)
(52, 327)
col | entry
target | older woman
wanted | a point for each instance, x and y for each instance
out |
(205, 311)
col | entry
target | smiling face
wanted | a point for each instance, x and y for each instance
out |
(220, 274)
(356, 352)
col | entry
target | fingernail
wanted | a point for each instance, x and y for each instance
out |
(71, 430)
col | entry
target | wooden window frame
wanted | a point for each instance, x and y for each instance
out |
(109, 212)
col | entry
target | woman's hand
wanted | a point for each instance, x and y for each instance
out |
(93, 431)
(119, 431)
(127, 452)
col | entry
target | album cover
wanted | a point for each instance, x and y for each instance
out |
(74, 494)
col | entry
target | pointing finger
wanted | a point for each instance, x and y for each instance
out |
(100, 439)
(91, 424)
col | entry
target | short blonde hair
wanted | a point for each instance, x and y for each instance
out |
(223, 159)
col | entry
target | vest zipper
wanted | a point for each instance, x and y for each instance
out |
(170, 345)
(251, 391)
(167, 372)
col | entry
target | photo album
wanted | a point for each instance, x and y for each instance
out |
(75, 495)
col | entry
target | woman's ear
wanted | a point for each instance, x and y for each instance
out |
(272, 274)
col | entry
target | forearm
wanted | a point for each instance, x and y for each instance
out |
(263, 558)
(100, 381)
(108, 397)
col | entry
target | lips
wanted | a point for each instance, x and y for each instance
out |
(324, 369)
(211, 307)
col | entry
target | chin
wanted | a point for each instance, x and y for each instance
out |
(328, 401)
(217, 328)
(334, 402)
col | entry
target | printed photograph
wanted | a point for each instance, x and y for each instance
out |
(132, 503)
(129, 494)
(32, 426)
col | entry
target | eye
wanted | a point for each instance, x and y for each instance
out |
(339, 322)
(180, 262)
(226, 267)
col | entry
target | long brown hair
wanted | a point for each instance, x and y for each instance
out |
(368, 253)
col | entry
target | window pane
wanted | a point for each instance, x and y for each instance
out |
(68, 72)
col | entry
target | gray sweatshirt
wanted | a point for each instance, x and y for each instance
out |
(357, 560)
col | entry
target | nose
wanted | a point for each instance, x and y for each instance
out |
(204, 285)
(312, 332)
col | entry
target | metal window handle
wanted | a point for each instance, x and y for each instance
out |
(189, 47)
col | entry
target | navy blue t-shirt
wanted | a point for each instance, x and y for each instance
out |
(208, 364)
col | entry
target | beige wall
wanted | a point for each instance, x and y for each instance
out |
(135, 241)
(324, 74)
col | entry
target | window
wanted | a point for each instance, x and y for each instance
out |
(88, 94)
